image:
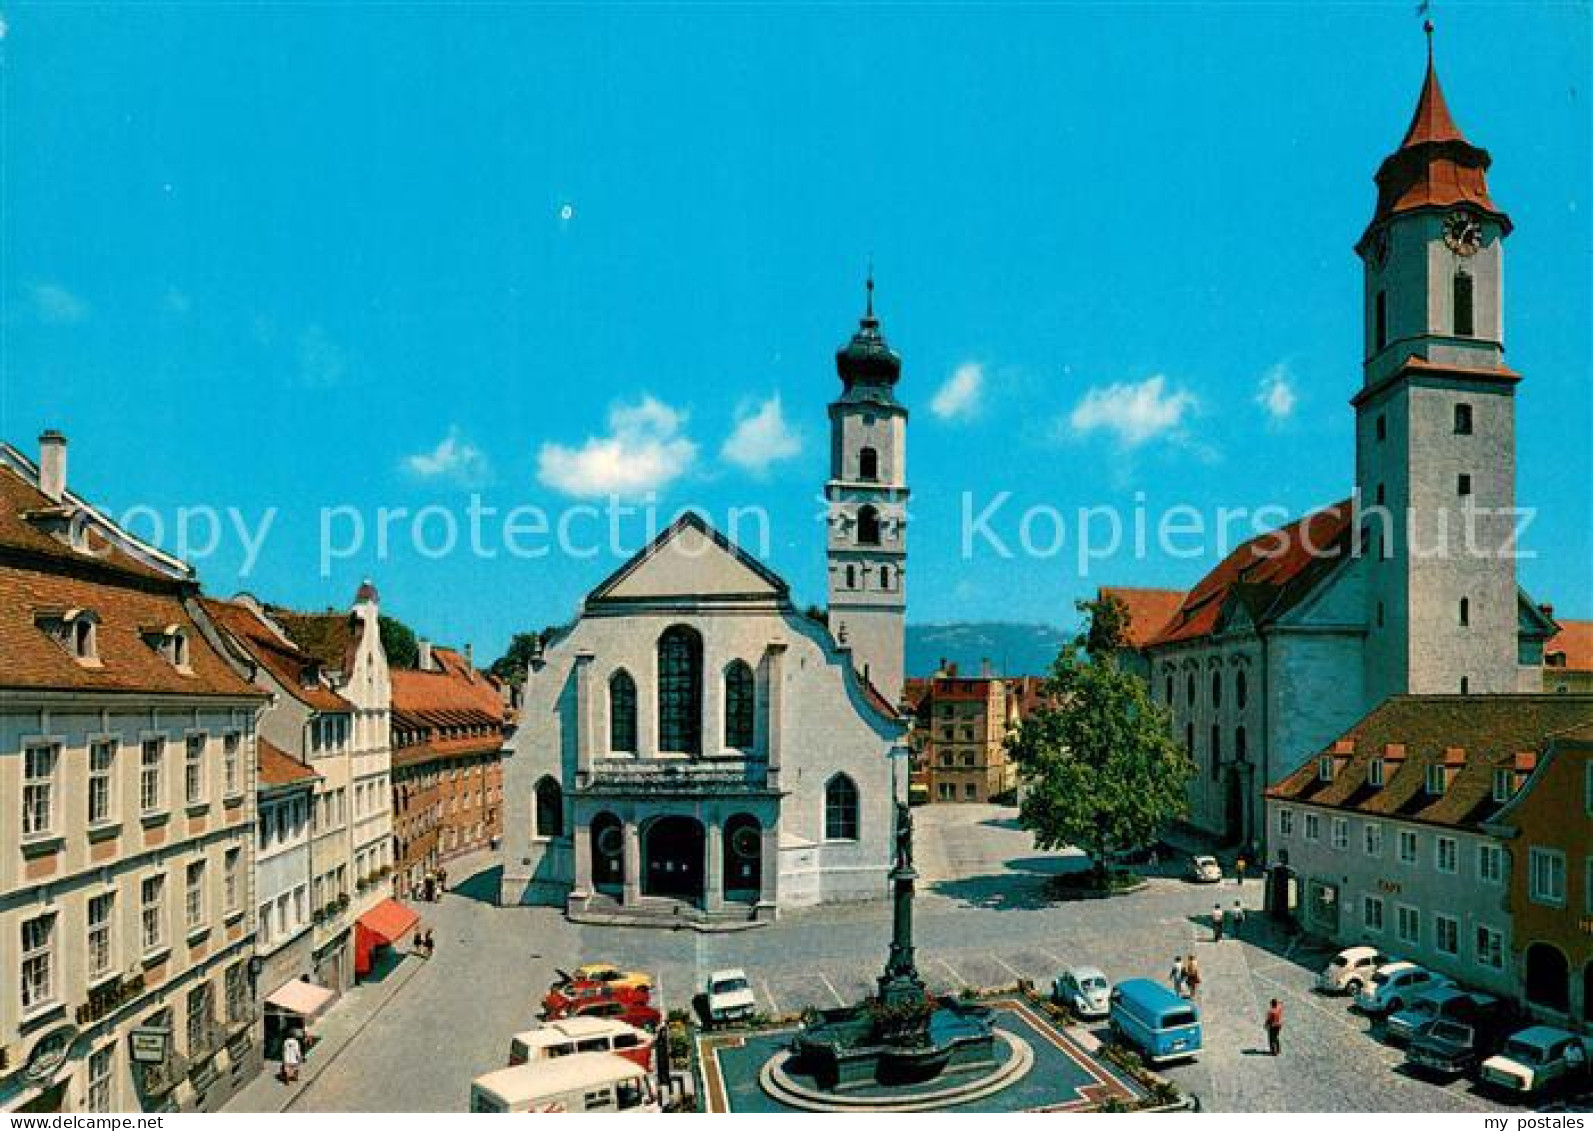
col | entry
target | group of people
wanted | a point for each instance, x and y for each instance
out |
(1231, 922)
(1185, 976)
(425, 944)
(433, 886)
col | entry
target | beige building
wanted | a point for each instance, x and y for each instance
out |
(959, 736)
(127, 772)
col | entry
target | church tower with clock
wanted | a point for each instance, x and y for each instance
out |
(1435, 420)
(866, 500)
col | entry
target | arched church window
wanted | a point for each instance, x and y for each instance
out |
(622, 712)
(1381, 317)
(1465, 612)
(680, 690)
(1462, 420)
(1241, 747)
(840, 809)
(1241, 689)
(868, 526)
(1189, 693)
(740, 706)
(549, 808)
(868, 465)
(1216, 752)
(1216, 689)
(1464, 322)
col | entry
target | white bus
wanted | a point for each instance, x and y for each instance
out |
(581, 1082)
(582, 1034)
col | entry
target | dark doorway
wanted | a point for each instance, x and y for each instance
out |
(672, 858)
(608, 853)
(1548, 978)
(1234, 810)
(743, 858)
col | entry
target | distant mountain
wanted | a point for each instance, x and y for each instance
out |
(1012, 649)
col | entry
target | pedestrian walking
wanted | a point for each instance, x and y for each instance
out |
(442, 879)
(1274, 1027)
(292, 1057)
(1192, 977)
(1237, 915)
(1239, 871)
(1216, 923)
(1176, 975)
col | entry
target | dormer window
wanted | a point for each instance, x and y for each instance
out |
(1324, 768)
(76, 630)
(1374, 773)
(171, 641)
(1504, 785)
(1436, 780)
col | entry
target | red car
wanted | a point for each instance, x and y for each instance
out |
(642, 1016)
(566, 1000)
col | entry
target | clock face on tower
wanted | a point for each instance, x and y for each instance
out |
(1463, 232)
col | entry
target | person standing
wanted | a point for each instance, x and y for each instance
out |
(1216, 923)
(1192, 977)
(1239, 871)
(1274, 1027)
(1176, 975)
(1237, 915)
(292, 1057)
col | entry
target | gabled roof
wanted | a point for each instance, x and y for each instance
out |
(1148, 610)
(1571, 648)
(330, 636)
(276, 769)
(690, 562)
(1266, 576)
(263, 642)
(1471, 735)
(451, 694)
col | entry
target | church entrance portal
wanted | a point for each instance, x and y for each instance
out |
(672, 858)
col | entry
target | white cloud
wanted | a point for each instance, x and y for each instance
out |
(645, 450)
(962, 395)
(761, 437)
(1133, 414)
(1276, 394)
(58, 306)
(454, 458)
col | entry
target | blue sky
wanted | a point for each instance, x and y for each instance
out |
(340, 256)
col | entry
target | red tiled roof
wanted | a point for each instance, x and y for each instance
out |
(1148, 610)
(1269, 573)
(275, 768)
(328, 636)
(1470, 735)
(430, 706)
(1432, 120)
(296, 671)
(1572, 647)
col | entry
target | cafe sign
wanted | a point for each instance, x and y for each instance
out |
(49, 1053)
(148, 1044)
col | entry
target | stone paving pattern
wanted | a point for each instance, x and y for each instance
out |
(413, 1042)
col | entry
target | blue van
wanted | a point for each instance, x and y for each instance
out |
(1162, 1025)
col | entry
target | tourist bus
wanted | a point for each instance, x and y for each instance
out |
(581, 1082)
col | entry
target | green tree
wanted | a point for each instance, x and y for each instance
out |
(514, 663)
(1106, 625)
(1100, 768)
(398, 641)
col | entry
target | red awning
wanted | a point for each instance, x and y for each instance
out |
(388, 921)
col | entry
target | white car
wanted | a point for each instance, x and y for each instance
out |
(729, 996)
(1396, 984)
(1205, 870)
(1084, 990)
(1536, 1058)
(1350, 969)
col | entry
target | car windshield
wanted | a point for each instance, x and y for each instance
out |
(1522, 1051)
(1380, 978)
(1094, 985)
(1450, 1032)
(730, 985)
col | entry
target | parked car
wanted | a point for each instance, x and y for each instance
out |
(729, 996)
(1149, 1016)
(1205, 870)
(1394, 984)
(586, 1081)
(1449, 1048)
(1451, 1003)
(606, 973)
(563, 1001)
(1535, 1060)
(1350, 969)
(1084, 990)
(632, 1013)
(582, 1034)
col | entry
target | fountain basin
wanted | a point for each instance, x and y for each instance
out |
(846, 1049)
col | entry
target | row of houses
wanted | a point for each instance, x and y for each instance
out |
(959, 730)
(209, 807)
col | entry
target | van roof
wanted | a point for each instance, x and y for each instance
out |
(574, 1029)
(1151, 993)
(553, 1077)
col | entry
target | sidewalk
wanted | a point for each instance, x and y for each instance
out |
(346, 1019)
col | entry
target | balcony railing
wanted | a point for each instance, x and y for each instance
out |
(614, 776)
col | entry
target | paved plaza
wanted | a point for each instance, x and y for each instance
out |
(414, 1041)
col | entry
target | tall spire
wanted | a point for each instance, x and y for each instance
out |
(1432, 121)
(867, 360)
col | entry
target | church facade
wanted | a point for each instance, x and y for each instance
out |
(1409, 585)
(696, 749)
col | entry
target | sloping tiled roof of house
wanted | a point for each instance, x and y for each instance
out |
(297, 671)
(1269, 574)
(42, 579)
(1471, 736)
(1571, 647)
(1148, 610)
(276, 768)
(443, 711)
(330, 636)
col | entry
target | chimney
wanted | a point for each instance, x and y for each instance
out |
(52, 464)
(1547, 611)
(470, 663)
(423, 661)
(985, 670)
